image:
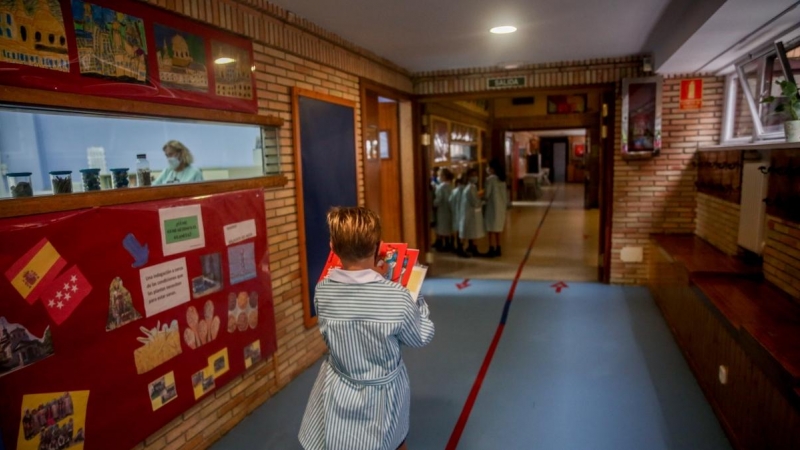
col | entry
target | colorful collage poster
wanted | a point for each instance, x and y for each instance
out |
(56, 420)
(32, 34)
(110, 44)
(181, 59)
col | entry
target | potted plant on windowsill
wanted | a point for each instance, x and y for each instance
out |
(790, 107)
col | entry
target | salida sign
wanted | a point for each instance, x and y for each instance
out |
(496, 83)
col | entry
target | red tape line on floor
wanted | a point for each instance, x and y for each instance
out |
(458, 430)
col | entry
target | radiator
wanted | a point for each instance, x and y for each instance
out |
(752, 220)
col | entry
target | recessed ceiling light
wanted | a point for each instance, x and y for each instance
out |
(505, 29)
(510, 65)
(224, 60)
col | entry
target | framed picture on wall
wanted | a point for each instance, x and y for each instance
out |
(441, 140)
(181, 59)
(98, 31)
(566, 104)
(233, 73)
(641, 116)
(18, 44)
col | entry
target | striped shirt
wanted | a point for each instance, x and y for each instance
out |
(361, 398)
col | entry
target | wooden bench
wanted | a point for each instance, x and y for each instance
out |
(723, 314)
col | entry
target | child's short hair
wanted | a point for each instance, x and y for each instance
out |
(355, 232)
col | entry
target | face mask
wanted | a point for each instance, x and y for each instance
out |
(173, 163)
(473, 180)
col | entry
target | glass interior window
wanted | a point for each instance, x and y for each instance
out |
(43, 141)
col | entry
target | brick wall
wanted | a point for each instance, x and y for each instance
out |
(650, 196)
(658, 195)
(561, 74)
(782, 255)
(289, 52)
(718, 223)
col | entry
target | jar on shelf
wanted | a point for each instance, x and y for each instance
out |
(91, 179)
(61, 180)
(142, 170)
(19, 183)
(120, 177)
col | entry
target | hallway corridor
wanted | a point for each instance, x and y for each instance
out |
(566, 249)
(594, 367)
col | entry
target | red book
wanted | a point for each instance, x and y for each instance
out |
(393, 255)
(332, 263)
(412, 255)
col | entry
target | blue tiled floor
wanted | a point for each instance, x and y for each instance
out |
(594, 367)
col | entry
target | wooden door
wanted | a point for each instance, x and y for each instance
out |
(389, 146)
(382, 185)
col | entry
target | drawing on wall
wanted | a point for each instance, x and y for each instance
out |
(110, 44)
(19, 348)
(232, 70)
(181, 59)
(32, 34)
(120, 306)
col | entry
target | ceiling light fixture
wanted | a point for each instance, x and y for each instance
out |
(510, 65)
(505, 29)
(224, 60)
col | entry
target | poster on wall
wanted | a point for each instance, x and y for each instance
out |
(181, 59)
(33, 34)
(233, 70)
(142, 340)
(124, 49)
(566, 104)
(110, 44)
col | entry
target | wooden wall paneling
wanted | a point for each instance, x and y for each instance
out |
(783, 198)
(719, 174)
(754, 412)
(80, 200)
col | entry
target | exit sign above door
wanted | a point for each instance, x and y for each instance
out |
(507, 82)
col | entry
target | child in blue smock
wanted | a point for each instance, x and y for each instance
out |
(496, 198)
(444, 213)
(361, 399)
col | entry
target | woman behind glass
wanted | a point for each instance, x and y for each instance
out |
(180, 169)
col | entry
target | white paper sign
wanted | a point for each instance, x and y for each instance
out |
(241, 231)
(164, 286)
(181, 229)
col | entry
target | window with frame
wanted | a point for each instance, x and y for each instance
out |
(746, 117)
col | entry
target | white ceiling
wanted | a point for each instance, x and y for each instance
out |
(736, 28)
(684, 36)
(425, 35)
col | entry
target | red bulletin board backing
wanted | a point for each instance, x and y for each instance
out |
(86, 254)
(26, 74)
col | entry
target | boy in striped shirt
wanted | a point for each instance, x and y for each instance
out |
(361, 398)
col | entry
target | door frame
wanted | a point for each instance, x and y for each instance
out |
(400, 97)
(608, 97)
(308, 320)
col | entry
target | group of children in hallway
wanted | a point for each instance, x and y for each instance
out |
(464, 214)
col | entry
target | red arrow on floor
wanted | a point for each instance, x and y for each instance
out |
(463, 285)
(559, 286)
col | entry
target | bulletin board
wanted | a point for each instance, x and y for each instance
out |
(124, 49)
(115, 320)
(327, 151)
